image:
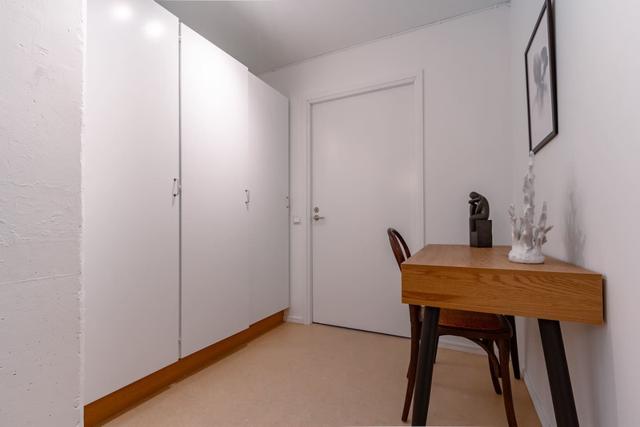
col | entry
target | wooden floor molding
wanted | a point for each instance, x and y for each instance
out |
(105, 408)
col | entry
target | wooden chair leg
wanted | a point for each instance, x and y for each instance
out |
(515, 360)
(504, 349)
(493, 369)
(411, 372)
(408, 397)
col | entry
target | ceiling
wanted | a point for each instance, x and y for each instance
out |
(266, 35)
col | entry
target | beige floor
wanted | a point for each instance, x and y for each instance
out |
(319, 375)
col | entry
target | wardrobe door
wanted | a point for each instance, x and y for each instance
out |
(214, 111)
(269, 205)
(130, 217)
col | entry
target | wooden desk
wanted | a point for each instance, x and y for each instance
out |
(483, 279)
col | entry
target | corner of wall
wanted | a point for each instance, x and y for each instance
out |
(546, 418)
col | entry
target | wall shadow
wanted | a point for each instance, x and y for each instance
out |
(574, 235)
(589, 348)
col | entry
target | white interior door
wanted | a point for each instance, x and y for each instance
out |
(366, 177)
(214, 114)
(130, 155)
(269, 202)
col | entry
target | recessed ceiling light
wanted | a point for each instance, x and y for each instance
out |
(153, 29)
(121, 11)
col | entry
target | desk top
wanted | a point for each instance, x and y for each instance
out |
(462, 256)
(483, 279)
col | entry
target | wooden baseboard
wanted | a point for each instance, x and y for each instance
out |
(101, 410)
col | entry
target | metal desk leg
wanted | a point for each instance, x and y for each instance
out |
(561, 392)
(426, 359)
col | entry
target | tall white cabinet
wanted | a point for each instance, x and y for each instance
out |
(185, 195)
(214, 123)
(130, 152)
(268, 161)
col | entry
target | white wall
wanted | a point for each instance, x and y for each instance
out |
(466, 75)
(589, 174)
(41, 46)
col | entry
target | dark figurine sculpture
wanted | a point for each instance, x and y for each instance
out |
(479, 222)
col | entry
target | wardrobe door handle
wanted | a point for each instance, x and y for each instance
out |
(177, 187)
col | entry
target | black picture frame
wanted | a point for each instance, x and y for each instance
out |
(536, 143)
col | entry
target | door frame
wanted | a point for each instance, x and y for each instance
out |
(415, 79)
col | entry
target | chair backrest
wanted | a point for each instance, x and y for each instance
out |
(398, 246)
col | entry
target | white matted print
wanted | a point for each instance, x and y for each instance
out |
(541, 81)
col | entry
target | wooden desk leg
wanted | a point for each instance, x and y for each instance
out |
(426, 359)
(561, 392)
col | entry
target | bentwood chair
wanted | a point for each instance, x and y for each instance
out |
(482, 328)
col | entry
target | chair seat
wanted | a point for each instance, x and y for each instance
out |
(472, 320)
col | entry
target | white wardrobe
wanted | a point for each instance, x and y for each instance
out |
(268, 199)
(215, 252)
(185, 195)
(130, 230)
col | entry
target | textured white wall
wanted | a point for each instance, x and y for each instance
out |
(467, 147)
(41, 54)
(589, 174)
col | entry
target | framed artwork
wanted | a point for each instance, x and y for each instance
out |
(540, 73)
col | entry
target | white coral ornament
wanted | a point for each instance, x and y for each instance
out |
(526, 237)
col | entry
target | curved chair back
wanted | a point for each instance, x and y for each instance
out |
(398, 246)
